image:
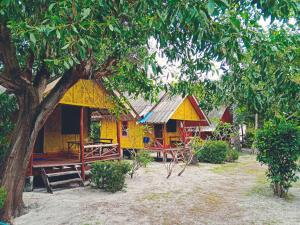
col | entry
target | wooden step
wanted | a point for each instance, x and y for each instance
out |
(62, 173)
(65, 181)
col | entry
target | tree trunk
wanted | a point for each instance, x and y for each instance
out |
(33, 112)
(256, 121)
(17, 160)
(236, 127)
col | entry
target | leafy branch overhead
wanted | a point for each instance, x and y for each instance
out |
(61, 35)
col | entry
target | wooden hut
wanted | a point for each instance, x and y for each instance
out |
(217, 115)
(63, 147)
(161, 125)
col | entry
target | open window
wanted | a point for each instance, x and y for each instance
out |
(124, 128)
(171, 126)
(70, 119)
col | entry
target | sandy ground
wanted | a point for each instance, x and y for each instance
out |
(232, 193)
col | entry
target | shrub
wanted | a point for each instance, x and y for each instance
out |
(110, 175)
(213, 152)
(232, 155)
(140, 159)
(95, 131)
(8, 106)
(3, 195)
(249, 138)
(223, 132)
(278, 145)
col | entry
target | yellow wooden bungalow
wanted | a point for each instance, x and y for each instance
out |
(63, 147)
(171, 121)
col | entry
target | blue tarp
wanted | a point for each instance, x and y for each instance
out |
(145, 118)
(3, 223)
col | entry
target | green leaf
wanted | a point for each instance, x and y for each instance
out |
(66, 65)
(85, 13)
(111, 27)
(51, 6)
(235, 22)
(58, 34)
(66, 46)
(75, 29)
(211, 6)
(32, 38)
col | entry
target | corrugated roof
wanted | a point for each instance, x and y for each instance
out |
(140, 105)
(162, 112)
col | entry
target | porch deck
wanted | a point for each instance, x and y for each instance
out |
(52, 162)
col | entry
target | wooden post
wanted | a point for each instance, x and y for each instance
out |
(82, 145)
(164, 135)
(164, 141)
(183, 133)
(119, 139)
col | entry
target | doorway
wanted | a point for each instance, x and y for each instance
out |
(39, 143)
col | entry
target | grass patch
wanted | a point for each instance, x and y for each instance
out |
(157, 196)
(208, 202)
(227, 167)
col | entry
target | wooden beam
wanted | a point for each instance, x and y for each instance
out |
(81, 145)
(164, 135)
(119, 139)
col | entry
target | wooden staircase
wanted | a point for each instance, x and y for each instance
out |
(61, 175)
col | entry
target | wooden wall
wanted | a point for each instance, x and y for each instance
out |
(89, 94)
(54, 140)
(185, 111)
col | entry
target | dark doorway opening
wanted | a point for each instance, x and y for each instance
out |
(39, 143)
(158, 130)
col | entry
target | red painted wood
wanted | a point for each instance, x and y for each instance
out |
(227, 117)
(81, 144)
(30, 166)
(203, 121)
(118, 124)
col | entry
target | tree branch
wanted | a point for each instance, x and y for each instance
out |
(107, 68)
(69, 78)
(8, 52)
(7, 83)
(10, 78)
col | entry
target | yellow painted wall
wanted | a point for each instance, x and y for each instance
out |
(186, 111)
(54, 140)
(108, 130)
(135, 136)
(169, 134)
(89, 94)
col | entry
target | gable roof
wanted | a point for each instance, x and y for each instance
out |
(132, 113)
(162, 111)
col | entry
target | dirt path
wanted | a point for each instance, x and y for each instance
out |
(233, 193)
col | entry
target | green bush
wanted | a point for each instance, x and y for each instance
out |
(140, 159)
(8, 106)
(278, 145)
(95, 131)
(110, 175)
(249, 138)
(3, 195)
(232, 155)
(213, 152)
